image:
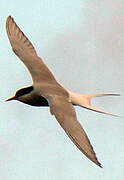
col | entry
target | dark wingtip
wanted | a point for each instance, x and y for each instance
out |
(100, 166)
(8, 18)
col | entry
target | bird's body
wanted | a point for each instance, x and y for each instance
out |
(46, 91)
(31, 96)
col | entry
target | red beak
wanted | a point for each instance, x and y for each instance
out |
(10, 99)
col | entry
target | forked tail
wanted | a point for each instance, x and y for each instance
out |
(84, 100)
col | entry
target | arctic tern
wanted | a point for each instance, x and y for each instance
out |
(46, 91)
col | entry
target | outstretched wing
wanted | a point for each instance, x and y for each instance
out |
(66, 116)
(24, 49)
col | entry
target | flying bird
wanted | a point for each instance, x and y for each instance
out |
(46, 91)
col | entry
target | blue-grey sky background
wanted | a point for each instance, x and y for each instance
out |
(82, 42)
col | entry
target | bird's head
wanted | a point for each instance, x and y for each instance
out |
(21, 93)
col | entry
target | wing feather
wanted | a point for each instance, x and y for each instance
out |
(24, 49)
(66, 116)
(13, 32)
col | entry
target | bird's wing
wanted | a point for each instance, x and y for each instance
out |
(24, 49)
(66, 116)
